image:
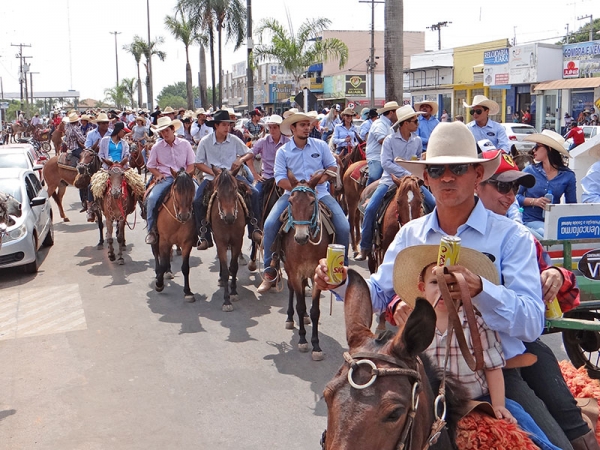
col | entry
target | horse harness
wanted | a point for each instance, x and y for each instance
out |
(240, 199)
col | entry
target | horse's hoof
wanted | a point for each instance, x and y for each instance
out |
(221, 283)
(227, 308)
(252, 266)
(289, 325)
(99, 247)
(307, 320)
(190, 298)
(303, 347)
(355, 254)
(111, 257)
(169, 275)
(159, 288)
(66, 219)
(120, 261)
(234, 297)
(318, 356)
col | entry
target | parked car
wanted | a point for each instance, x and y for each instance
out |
(589, 131)
(22, 156)
(24, 237)
(516, 132)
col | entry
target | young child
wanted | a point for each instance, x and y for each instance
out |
(415, 276)
(139, 131)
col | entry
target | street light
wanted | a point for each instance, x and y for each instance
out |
(116, 54)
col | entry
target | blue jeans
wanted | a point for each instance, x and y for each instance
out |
(375, 171)
(273, 224)
(153, 197)
(368, 225)
(537, 228)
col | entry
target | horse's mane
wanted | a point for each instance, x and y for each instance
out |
(183, 181)
(409, 183)
(226, 179)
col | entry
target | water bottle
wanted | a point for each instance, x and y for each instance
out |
(550, 197)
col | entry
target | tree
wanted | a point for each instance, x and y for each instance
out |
(298, 52)
(184, 31)
(149, 50)
(174, 101)
(394, 49)
(582, 34)
(116, 95)
(129, 86)
(137, 51)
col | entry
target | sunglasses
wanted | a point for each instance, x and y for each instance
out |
(414, 121)
(476, 111)
(504, 187)
(435, 171)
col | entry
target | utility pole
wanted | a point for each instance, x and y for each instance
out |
(589, 16)
(31, 74)
(25, 72)
(249, 70)
(438, 26)
(150, 93)
(371, 64)
(21, 75)
(567, 36)
(116, 53)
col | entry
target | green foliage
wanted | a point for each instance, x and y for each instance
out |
(174, 101)
(582, 34)
(116, 95)
(176, 90)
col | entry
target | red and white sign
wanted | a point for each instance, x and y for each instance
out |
(571, 69)
(350, 105)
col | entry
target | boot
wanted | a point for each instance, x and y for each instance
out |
(586, 442)
(269, 279)
(362, 255)
(151, 238)
(204, 238)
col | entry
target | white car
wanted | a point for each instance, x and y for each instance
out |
(516, 132)
(22, 156)
(26, 234)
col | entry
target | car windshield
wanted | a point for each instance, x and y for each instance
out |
(11, 186)
(13, 160)
(522, 130)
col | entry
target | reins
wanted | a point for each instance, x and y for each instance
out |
(315, 221)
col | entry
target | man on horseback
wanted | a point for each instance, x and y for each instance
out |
(253, 128)
(483, 127)
(344, 134)
(199, 127)
(369, 117)
(404, 144)
(378, 132)
(222, 150)
(427, 121)
(92, 139)
(302, 156)
(168, 153)
(75, 141)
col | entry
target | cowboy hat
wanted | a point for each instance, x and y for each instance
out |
(364, 113)
(165, 122)
(169, 110)
(507, 171)
(451, 143)
(348, 112)
(482, 100)
(221, 115)
(549, 138)
(434, 106)
(294, 118)
(389, 106)
(289, 112)
(274, 119)
(86, 117)
(406, 112)
(138, 118)
(200, 111)
(102, 117)
(411, 261)
(73, 117)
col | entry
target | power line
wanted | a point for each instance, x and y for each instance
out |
(438, 27)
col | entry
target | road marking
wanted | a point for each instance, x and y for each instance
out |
(35, 312)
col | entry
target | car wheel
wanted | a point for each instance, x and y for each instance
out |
(49, 240)
(33, 266)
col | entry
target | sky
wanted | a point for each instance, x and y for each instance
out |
(72, 46)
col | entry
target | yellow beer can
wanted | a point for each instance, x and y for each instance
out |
(335, 263)
(553, 310)
(449, 251)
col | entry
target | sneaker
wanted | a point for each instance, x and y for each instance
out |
(269, 279)
(151, 238)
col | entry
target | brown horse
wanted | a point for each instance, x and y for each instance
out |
(381, 398)
(175, 226)
(118, 202)
(136, 159)
(17, 131)
(56, 137)
(352, 192)
(227, 213)
(9, 206)
(344, 160)
(303, 244)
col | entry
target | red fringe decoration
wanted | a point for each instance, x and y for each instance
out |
(478, 431)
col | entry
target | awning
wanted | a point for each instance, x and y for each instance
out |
(575, 83)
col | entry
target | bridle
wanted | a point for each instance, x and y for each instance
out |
(85, 168)
(176, 214)
(313, 223)
(366, 358)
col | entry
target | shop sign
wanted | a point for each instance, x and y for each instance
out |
(356, 86)
(578, 227)
(581, 60)
(589, 265)
(495, 67)
(522, 64)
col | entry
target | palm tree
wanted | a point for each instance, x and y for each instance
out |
(129, 86)
(298, 52)
(136, 50)
(116, 95)
(394, 49)
(184, 31)
(149, 50)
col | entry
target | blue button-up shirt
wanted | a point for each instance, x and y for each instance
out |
(340, 133)
(94, 136)
(380, 129)
(515, 308)
(267, 148)
(426, 126)
(395, 146)
(220, 154)
(590, 185)
(364, 128)
(492, 131)
(303, 163)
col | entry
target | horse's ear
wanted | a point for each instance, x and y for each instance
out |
(123, 161)
(420, 181)
(292, 178)
(315, 179)
(108, 162)
(216, 171)
(358, 312)
(173, 173)
(236, 171)
(418, 332)
(396, 180)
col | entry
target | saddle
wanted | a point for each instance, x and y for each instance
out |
(67, 161)
(360, 174)
(380, 214)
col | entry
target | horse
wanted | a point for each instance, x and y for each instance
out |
(56, 137)
(521, 159)
(304, 243)
(174, 225)
(117, 202)
(352, 192)
(17, 129)
(9, 206)
(344, 160)
(136, 159)
(227, 212)
(382, 398)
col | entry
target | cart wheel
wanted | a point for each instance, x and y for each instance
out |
(46, 146)
(583, 346)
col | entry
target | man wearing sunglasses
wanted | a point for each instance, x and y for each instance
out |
(483, 127)
(427, 122)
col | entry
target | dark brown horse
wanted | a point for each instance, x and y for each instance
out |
(271, 193)
(303, 245)
(136, 159)
(381, 398)
(118, 202)
(175, 226)
(344, 160)
(227, 213)
(352, 191)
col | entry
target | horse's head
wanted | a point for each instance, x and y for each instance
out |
(303, 209)
(89, 163)
(116, 178)
(409, 199)
(182, 193)
(370, 410)
(226, 187)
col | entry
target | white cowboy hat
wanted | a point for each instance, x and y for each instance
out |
(200, 111)
(482, 100)
(550, 138)
(389, 106)
(406, 112)
(294, 118)
(165, 122)
(102, 117)
(86, 117)
(411, 261)
(169, 110)
(451, 143)
(274, 119)
(289, 112)
(73, 117)
(434, 106)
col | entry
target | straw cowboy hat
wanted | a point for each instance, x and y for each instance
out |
(86, 117)
(434, 106)
(550, 138)
(200, 111)
(72, 118)
(274, 119)
(389, 106)
(482, 100)
(143, 119)
(294, 118)
(406, 112)
(102, 117)
(451, 143)
(289, 112)
(169, 110)
(348, 112)
(411, 261)
(165, 122)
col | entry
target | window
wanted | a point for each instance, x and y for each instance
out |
(31, 192)
(36, 184)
